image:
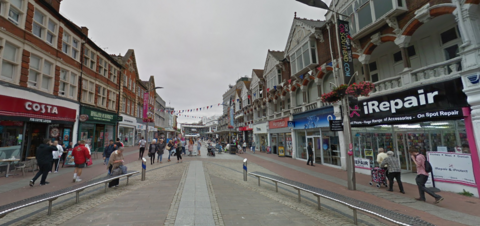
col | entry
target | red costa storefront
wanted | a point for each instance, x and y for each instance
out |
(247, 134)
(280, 137)
(24, 124)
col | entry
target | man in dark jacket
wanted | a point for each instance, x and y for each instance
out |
(108, 151)
(310, 153)
(44, 161)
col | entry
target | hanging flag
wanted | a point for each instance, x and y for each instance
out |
(268, 89)
(249, 97)
(254, 94)
(211, 106)
(290, 81)
(197, 109)
(207, 107)
(238, 100)
(275, 87)
(301, 77)
(218, 104)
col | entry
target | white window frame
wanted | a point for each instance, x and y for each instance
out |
(113, 73)
(458, 41)
(102, 96)
(103, 67)
(68, 45)
(123, 105)
(128, 107)
(125, 80)
(90, 58)
(40, 73)
(88, 91)
(44, 26)
(69, 80)
(15, 63)
(295, 56)
(112, 100)
(8, 10)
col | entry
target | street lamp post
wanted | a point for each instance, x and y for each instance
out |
(351, 181)
(148, 121)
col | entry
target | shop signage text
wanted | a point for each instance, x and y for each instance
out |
(346, 48)
(336, 125)
(314, 119)
(452, 168)
(362, 163)
(93, 115)
(42, 108)
(280, 123)
(440, 101)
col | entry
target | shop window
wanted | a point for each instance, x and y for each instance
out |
(40, 75)
(68, 84)
(9, 58)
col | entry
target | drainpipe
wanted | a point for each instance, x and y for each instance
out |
(473, 147)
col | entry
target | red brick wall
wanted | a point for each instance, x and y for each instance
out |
(25, 67)
(56, 87)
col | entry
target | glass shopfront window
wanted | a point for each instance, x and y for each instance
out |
(86, 133)
(11, 137)
(126, 135)
(331, 148)
(441, 136)
(301, 145)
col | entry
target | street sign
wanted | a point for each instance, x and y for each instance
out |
(336, 125)
(291, 124)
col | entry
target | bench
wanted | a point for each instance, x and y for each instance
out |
(394, 217)
(52, 196)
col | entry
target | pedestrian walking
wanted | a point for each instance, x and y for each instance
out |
(179, 152)
(119, 143)
(199, 145)
(244, 147)
(108, 151)
(310, 153)
(160, 150)
(190, 147)
(80, 155)
(394, 171)
(422, 176)
(253, 147)
(141, 143)
(44, 160)
(151, 151)
(56, 156)
(116, 161)
(183, 145)
(381, 155)
(169, 148)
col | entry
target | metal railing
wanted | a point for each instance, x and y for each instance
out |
(52, 196)
(355, 205)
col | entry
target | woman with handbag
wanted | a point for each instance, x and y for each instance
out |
(115, 165)
(394, 171)
(151, 151)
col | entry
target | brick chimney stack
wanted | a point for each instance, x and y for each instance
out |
(55, 4)
(85, 31)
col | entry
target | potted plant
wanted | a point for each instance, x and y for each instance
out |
(340, 90)
(361, 89)
(330, 97)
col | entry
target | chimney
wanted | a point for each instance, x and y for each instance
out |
(55, 4)
(85, 31)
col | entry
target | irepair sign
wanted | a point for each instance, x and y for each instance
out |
(439, 101)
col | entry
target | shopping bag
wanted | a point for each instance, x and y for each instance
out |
(89, 162)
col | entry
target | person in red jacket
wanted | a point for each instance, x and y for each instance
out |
(80, 155)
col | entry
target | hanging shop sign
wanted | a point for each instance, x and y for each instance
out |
(245, 128)
(439, 101)
(362, 163)
(145, 105)
(346, 50)
(313, 119)
(28, 110)
(95, 115)
(336, 125)
(452, 168)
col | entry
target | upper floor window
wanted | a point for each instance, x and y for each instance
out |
(10, 61)
(102, 96)
(303, 57)
(450, 42)
(15, 10)
(40, 75)
(70, 45)
(125, 80)
(88, 91)
(112, 100)
(103, 67)
(89, 58)
(68, 84)
(113, 73)
(44, 28)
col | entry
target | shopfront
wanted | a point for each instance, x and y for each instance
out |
(25, 123)
(141, 128)
(313, 127)
(431, 118)
(280, 137)
(260, 136)
(97, 127)
(247, 132)
(151, 133)
(126, 130)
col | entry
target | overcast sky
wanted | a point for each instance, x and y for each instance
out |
(194, 48)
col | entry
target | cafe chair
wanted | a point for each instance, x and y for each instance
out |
(21, 166)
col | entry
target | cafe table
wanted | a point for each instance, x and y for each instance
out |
(9, 161)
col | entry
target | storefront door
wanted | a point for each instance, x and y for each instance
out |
(317, 148)
(99, 136)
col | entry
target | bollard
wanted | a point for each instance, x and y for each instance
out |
(245, 170)
(144, 168)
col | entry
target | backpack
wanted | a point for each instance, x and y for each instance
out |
(428, 166)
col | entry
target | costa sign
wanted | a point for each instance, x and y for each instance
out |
(35, 111)
(280, 123)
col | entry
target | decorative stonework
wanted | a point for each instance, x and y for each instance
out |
(423, 14)
(376, 39)
(393, 23)
(319, 36)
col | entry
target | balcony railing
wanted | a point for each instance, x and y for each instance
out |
(429, 73)
(311, 106)
(297, 110)
(278, 115)
(286, 113)
(271, 117)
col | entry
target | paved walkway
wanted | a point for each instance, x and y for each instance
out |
(455, 210)
(195, 207)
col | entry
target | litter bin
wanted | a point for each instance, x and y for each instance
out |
(233, 149)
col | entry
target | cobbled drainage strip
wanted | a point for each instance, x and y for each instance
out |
(217, 215)
(172, 213)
